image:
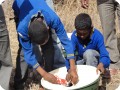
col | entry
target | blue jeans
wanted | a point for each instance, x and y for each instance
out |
(90, 57)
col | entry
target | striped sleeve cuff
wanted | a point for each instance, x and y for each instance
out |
(70, 56)
(36, 66)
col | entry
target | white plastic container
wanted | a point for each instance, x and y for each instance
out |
(88, 79)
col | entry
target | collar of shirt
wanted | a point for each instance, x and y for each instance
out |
(37, 15)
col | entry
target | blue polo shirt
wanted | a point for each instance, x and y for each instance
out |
(96, 43)
(25, 9)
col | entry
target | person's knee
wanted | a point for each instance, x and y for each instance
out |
(90, 56)
(88, 53)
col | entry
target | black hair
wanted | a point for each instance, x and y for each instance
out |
(38, 32)
(83, 21)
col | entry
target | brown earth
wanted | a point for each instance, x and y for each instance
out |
(67, 11)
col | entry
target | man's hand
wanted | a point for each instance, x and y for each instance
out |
(100, 67)
(85, 3)
(50, 78)
(47, 76)
(72, 73)
(72, 76)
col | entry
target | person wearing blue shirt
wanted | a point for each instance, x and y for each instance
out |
(36, 20)
(21, 70)
(107, 10)
(88, 42)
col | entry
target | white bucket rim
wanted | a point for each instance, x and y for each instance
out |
(50, 86)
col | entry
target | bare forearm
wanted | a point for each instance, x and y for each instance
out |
(72, 64)
(41, 71)
(47, 76)
(72, 72)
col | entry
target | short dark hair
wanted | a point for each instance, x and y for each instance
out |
(83, 21)
(38, 32)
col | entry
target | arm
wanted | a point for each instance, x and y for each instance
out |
(31, 60)
(61, 33)
(74, 42)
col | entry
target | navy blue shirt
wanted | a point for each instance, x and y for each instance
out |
(25, 9)
(96, 43)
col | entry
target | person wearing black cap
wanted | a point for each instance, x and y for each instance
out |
(36, 21)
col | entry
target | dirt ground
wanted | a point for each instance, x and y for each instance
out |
(67, 15)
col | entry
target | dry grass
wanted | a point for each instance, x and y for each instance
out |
(67, 13)
(71, 8)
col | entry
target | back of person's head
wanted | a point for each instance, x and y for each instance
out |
(38, 32)
(83, 21)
